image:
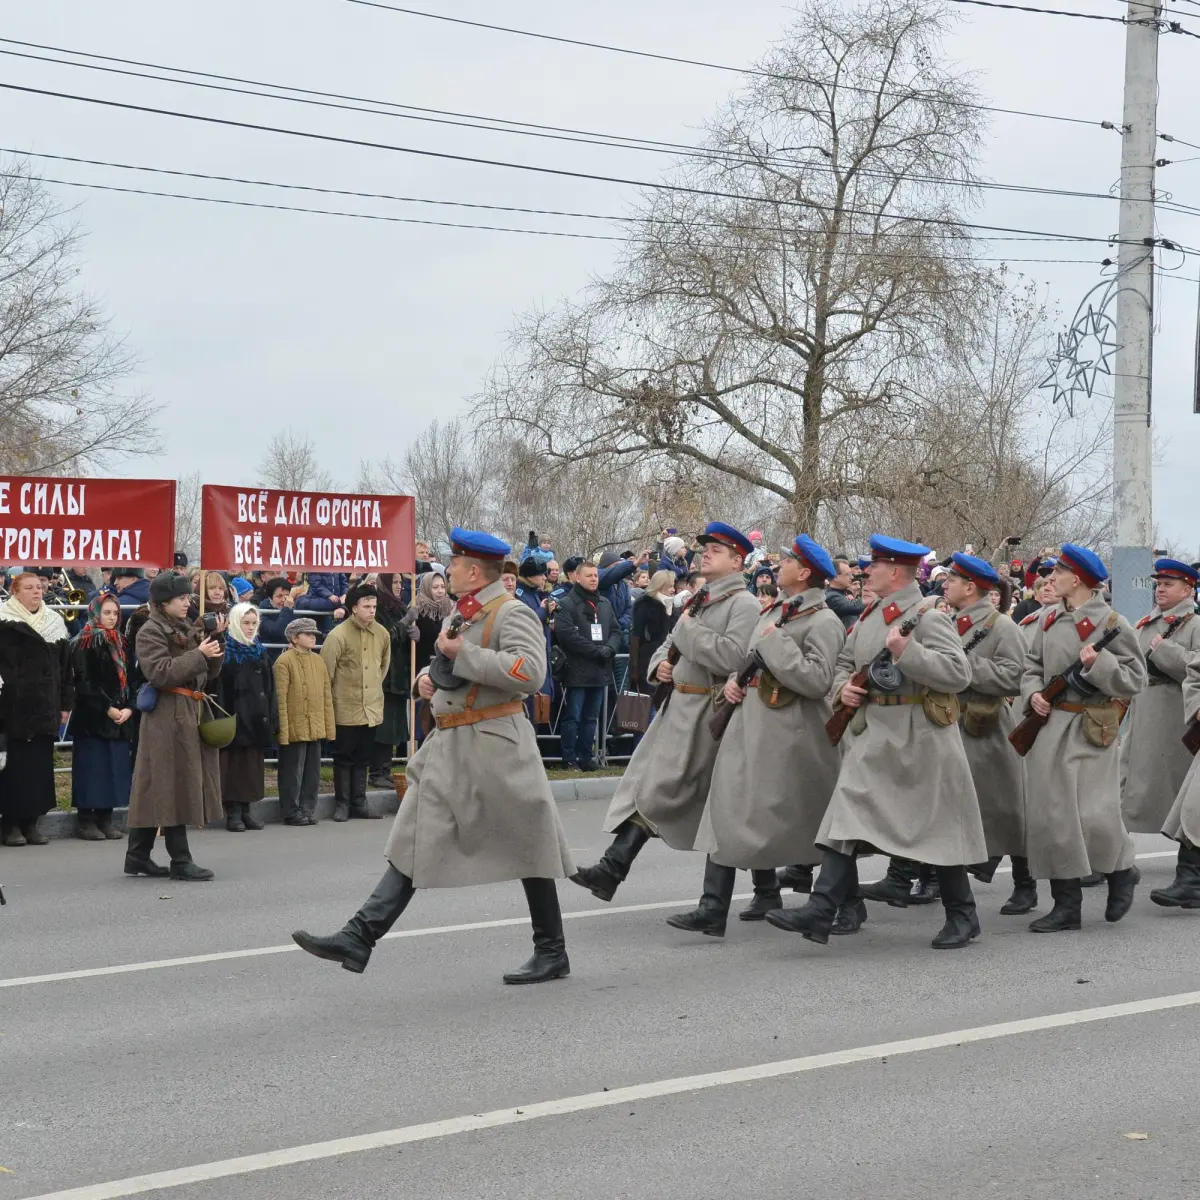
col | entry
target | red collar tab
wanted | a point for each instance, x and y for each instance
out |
(891, 612)
(468, 605)
(1085, 629)
(1050, 619)
(963, 623)
(1029, 620)
(1147, 619)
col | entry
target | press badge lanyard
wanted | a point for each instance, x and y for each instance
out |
(597, 629)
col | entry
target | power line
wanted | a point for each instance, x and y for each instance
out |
(1050, 12)
(693, 62)
(474, 121)
(540, 170)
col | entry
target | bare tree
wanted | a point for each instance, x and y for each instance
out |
(290, 461)
(792, 295)
(64, 403)
(187, 515)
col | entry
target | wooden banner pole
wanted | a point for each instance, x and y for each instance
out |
(412, 676)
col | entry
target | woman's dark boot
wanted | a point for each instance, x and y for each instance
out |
(895, 887)
(766, 896)
(1184, 892)
(985, 872)
(249, 821)
(962, 921)
(352, 944)
(33, 835)
(611, 871)
(1067, 912)
(1120, 893)
(1024, 897)
(233, 818)
(358, 795)
(104, 823)
(182, 867)
(713, 911)
(549, 959)
(137, 855)
(798, 877)
(341, 792)
(85, 826)
(832, 889)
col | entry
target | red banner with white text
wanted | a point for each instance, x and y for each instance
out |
(86, 522)
(266, 529)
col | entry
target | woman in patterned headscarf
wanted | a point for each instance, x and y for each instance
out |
(101, 722)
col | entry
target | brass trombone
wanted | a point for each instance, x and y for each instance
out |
(72, 594)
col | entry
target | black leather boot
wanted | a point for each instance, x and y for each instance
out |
(1095, 879)
(233, 818)
(86, 827)
(985, 872)
(1120, 893)
(549, 959)
(851, 917)
(1067, 912)
(137, 855)
(896, 886)
(766, 896)
(797, 877)
(928, 888)
(611, 871)
(1184, 892)
(962, 921)
(1024, 897)
(341, 792)
(182, 867)
(352, 944)
(713, 911)
(249, 821)
(833, 887)
(104, 823)
(358, 796)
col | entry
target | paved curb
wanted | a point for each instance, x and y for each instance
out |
(60, 824)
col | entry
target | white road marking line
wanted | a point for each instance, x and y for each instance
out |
(518, 1115)
(426, 931)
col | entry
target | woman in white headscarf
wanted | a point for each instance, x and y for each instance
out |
(36, 697)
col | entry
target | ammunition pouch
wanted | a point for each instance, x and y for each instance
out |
(771, 692)
(1102, 723)
(941, 708)
(981, 715)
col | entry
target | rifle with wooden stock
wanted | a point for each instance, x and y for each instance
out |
(719, 721)
(661, 696)
(1025, 734)
(880, 671)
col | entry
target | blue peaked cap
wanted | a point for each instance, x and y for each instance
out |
(897, 550)
(718, 531)
(863, 561)
(813, 555)
(1084, 562)
(473, 544)
(1172, 568)
(976, 570)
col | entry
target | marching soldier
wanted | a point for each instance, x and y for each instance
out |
(478, 808)
(1072, 772)
(665, 786)
(905, 787)
(996, 650)
(1154, 760)
(1183, 821)
(775, 769)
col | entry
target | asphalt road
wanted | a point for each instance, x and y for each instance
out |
(771, 1067)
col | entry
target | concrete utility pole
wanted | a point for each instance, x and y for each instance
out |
(1134, 533)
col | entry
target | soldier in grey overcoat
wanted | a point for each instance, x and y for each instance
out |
(1072, 772)
(905, 787)
(775, 769)
(996, 650)
(1183, 821)
(665, 786)
(478, 807)
(1154, 760)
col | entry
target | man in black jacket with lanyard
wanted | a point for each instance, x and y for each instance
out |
(586, 630)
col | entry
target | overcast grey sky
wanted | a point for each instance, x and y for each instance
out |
(360, 332)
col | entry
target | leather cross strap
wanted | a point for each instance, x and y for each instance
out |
(473, 716)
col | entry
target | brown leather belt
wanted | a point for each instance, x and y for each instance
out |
(691, 689)
(472, 716)
(1067, 706)
(197, 696)
(888, 699)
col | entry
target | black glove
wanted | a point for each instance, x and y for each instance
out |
(607, 653)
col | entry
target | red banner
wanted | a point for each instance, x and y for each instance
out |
(86, 522)
(265, 529)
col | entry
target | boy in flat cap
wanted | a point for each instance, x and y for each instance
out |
(305, 701)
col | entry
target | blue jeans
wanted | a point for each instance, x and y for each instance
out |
(581, 711)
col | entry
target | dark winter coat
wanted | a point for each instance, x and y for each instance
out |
(589, 663)
(845, 608)
(615, 589)
(320, 590)
(97, 689)
(272, 622)
(396, 681)
(651, 624)
(247, 691)
(429, 628)
(535, 602)
(37, 682)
